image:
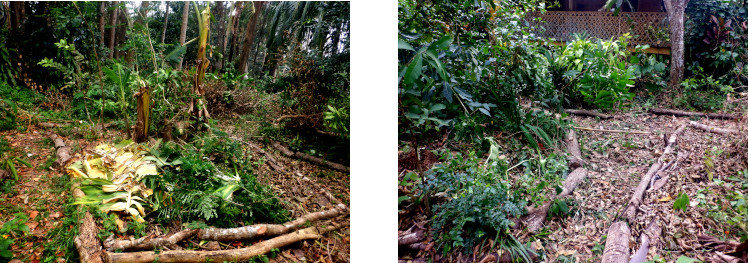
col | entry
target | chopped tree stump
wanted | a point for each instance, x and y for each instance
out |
(679, 113)
(588, 113)
(311, 159)
(63, 151)
(617, 244)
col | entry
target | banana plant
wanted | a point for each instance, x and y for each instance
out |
(197, 104)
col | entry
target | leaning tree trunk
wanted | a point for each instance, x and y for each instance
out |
(220, 20)
(166, 23)
(102, 21)
(249, 35)
(183, 33)
(113, 29)
(675, 11)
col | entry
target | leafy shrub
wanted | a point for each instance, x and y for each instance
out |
(478, 204)
(338, 120)
(702, 92)
(12, 228)
(193, 189)
(8, 113)
(596, 72)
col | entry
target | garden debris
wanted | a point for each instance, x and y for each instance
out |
(111, 178)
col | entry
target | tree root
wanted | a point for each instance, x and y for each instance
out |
(679, 113)
(711, 128)
(588, 113)
(311, 159)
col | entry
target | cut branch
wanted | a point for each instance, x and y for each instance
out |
(260, 230)
(588, 113)
(679, 113)
(650, 236)
(575, 160)
(310, 158)
(224, 234)
(147, 243)
(636, 198)
(713, 129)
(188, 256)
(535, 217)
(617, 244)
(613, 131)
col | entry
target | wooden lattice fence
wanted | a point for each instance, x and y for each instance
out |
(648, 28)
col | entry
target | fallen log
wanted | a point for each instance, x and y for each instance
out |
(712, 129)
(588, 113)
(223, 234)
(63, 151)
(613, 131)
(309, 158)
(535, 217)
(648, 237)
(86, 242)
(190, 256)
(636, 198)
(679, 113)
(617, 244)
(260, 230)
(575, 160)
(51, 125)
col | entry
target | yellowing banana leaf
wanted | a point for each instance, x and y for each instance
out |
(226, 191)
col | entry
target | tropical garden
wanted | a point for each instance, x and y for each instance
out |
(174, 131)
(515, 147)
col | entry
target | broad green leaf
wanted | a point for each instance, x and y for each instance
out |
(414, 69)
(401, 44)
(681, 202)
(442, 43)
(529, 137)
(684, 259)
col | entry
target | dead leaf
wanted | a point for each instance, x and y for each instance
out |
(33, 214)
(55, 214)
(665, 199)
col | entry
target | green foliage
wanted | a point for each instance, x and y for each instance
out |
(478, 202)
(684, 259)
(12, 229)
(8, 113)
(193, 188)
(596, 72)
(337, 120)
(702, 92)
(8, 71)
(681, 202)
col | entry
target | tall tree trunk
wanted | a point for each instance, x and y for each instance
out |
(226, 33)
(166, 23)
(675, 11)
(183, 33)
(17, 11)
(113, 30)
(235, 27)
(249, 35)
(220, 20)
(122, 30)
(102, 21)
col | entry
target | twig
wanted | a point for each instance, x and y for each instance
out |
(613, 131)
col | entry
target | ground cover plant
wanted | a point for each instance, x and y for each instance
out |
(518, 148)
(125, 121)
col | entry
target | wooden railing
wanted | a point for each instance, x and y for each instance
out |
(648, 28)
